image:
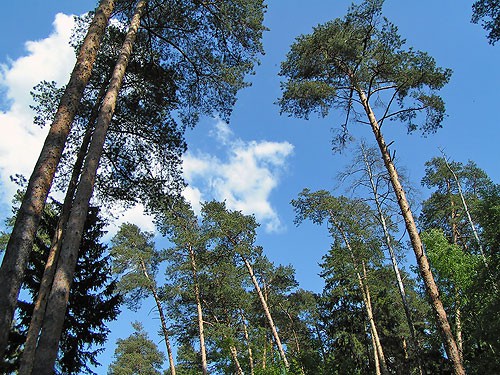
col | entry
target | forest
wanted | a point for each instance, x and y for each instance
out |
(409, 283)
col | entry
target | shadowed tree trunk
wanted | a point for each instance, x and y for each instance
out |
(27, 357)
(46, 352)
(21, 240)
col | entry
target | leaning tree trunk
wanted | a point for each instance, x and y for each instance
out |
(380, 363)
(234, 355)
(201, 330)
(46, 352)
(266, 311)
(27, 357)
(394, 262)
(23, 234)
(162, 318)
(249, 347)
(422, 261)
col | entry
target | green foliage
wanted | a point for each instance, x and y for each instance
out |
(362, 53)
(133, 253)
(136, 355)
(487, 12)
(450, 263)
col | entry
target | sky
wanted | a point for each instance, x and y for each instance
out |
(261, 160)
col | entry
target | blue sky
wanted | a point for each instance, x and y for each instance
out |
(263, 160)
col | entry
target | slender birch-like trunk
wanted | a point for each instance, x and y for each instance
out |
(234, 355)
(23, 234)
(421, 258)
(201, 330)
(247, 339)
(27, 357)
(266, 311)
(163, 321)
(46, 352)
(394, 261)
(365, 293)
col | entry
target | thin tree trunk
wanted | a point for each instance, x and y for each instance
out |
(247, 339)
(46, 352)
(422, 261)
(266, 311)
(199, 311)
(162, 318)
(375, 357)
(28, 354)
(394, 262)
(458, 326)
(365, 292)
(234, 354)
(23, 234)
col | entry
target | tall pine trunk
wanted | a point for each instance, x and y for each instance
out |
(422, 261)
(23, 234)
(46, 352)
(27, 357)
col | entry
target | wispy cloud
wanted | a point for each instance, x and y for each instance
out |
(244, 177)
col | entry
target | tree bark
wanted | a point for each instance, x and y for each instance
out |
(394, 262)
(365, 293)
(201, 330)
(28, 355)
(422, 261)
(23, 234)
(162, 318)
(46, 352)
(266, 311)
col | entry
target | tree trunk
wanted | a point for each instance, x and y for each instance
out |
(162, 318)
(422, 261)
(203, 349)
(376, 360)
(234, 354)
(23, 234)
(394, 262)
(247, 339)
(28, 355)
(365, 292)
(369, 310)
(46, 352)
(266, 311)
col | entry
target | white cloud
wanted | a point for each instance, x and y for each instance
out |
(48, 59)
(245, 179)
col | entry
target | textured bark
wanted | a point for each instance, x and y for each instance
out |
(28, 355)
(422, 261)
(163, 321)
(46, 352)
(201, 330)
(23, 234)
(394, 262)
(267, 312)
